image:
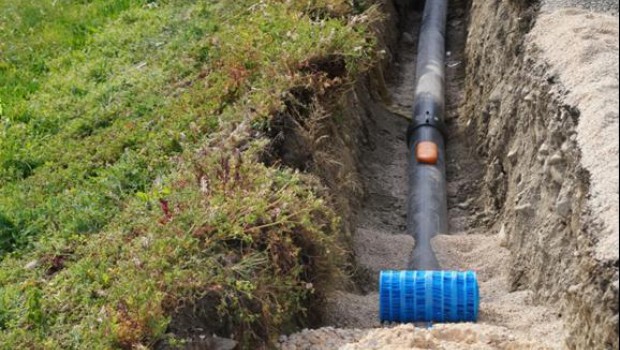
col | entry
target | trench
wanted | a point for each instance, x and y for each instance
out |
(380, 241)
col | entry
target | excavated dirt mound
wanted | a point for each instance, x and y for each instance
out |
(591, 73)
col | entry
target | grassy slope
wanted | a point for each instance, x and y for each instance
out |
(129, 180)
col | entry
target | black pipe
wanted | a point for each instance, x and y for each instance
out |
(427, 208)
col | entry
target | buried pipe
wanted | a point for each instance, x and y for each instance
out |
(427, 213)
(425, 293)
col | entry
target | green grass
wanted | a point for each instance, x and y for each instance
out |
(123, 193)
(104, 119)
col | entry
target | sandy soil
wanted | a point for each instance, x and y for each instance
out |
(591, 71)
(515, 311)
(607, 6)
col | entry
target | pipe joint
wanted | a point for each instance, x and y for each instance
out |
(417, 123)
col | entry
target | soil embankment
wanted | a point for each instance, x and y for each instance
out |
(544, 110)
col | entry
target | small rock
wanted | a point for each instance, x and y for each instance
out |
(556, 159)
(566, 146)
(513, 155)
(524, 208)
(563, 206)
(520, 196)
(574, 289)
(496, 96)
(465, 205)
(503, 237)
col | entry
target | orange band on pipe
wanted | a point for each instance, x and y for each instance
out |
(427, 152)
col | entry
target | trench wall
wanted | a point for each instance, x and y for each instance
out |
(536, 193)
